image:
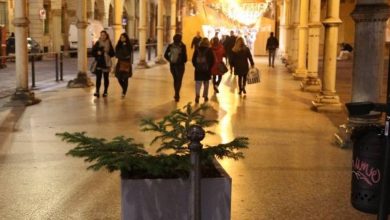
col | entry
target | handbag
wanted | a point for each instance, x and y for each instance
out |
(123, 68)
(253, 76)
(222, 69)
(92, 67)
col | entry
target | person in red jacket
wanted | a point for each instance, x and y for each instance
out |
(219, 53)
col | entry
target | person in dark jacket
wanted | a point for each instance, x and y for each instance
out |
(203, 59)
(228, 45)
(123, 51)
(176, 54)
(195, 41)
(240, 56)
(272, 45)
(102, 51)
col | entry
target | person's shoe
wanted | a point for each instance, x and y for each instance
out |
(177, 99)
(105, 94)
(96, 94)
(244, 91)
(216, 89)
(206, 99)
(240, 92)
(197, 99)
(123, 95)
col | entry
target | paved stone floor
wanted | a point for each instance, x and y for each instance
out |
(292, 170)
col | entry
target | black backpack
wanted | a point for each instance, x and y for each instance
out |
(201, 61)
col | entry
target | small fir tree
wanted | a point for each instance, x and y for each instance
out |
(172, 157)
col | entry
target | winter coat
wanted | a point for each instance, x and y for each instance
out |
(124, 54)
(219, 53)
(272, 43)
(240, 61)
(203, 75)
(183, 55)
(103, 61)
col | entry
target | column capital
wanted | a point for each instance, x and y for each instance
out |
(82, 24)
(332, 22)
(375, 12)
(303, 27)
(56, 12)
(315, 25)
(21, 22)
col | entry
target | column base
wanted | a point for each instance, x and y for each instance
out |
(23, 98)
(82, 81)
(291, 67)
(300, 74)
(142, 65)
(327, 103)
(160, 60)
(311, 84)
(343, 137)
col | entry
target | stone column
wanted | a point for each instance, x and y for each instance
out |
(370, 24)
(160, 32)
(142, 34)
(312, 83)
(328, 100)
(301, 70)
(56, 32)
(285, 20)
(117, 26)
(290, 33)
(173, 19)
(82, 79)
(22, 94)
(294, 37)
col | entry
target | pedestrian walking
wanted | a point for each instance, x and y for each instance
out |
(203, 60)
(103, 52)
(228, 45)
(123, 70)
(195, 41)
(240, 57)
(272, 45)
(176, 54)
(219, 53)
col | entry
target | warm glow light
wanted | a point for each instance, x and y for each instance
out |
(244, 13)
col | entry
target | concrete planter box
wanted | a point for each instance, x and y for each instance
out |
(168, 199)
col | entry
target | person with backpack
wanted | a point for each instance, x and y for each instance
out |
(102, 51)
(203, 60)
(240, 56)
(176, 54)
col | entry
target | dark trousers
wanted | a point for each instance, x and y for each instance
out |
(124, 82)
(177, 72)
(217, 80)
(99, 74)
(241, 81)
(271, 57)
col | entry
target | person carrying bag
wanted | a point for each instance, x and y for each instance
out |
(123, 69)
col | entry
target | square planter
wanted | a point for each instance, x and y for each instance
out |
(168, 199)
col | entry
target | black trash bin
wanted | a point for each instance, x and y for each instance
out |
(367, 167)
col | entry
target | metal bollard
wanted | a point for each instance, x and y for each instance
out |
(195, 135)
(32, 70)
(56, 66)
(61, 66)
